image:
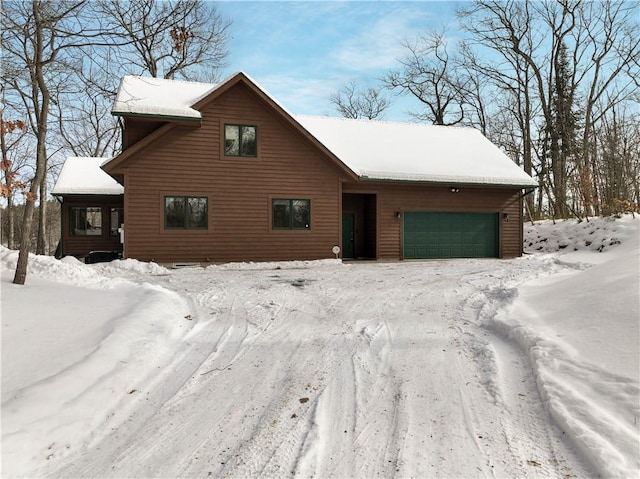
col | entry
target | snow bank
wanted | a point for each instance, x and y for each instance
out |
(87, 343)
(581, 331)
(593, 235)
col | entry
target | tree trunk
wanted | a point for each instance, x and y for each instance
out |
(11, 213)
(39, 86)
(23, 256)
(41, 245)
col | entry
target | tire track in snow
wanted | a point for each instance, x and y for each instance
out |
(274, 448)
(537, 447)
(531, 439)
(358, 365)
(339, 422)
(159, 419)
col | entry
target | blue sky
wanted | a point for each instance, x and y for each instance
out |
(302, 51)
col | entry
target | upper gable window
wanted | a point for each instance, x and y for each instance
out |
(240, 140)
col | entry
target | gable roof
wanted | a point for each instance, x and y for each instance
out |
(83, 176)
(392, 151)
(362, 149)
(150, 96)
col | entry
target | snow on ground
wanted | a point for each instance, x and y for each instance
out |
(461, 368)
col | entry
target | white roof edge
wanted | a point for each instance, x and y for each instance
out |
(447, 179)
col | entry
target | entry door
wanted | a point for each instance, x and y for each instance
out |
(348, 235)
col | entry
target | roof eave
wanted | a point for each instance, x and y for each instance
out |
(76, 193)
(152, 116)
(367, 179)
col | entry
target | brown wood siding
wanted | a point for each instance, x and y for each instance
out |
(189, 162)
(135, 129)
(393, 197)
(80, 246)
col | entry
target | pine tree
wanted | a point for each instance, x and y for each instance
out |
(563, 130)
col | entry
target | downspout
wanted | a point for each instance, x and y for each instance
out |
(527, 192)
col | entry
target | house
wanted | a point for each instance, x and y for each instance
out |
(217, 173)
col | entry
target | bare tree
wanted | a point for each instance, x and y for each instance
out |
(616, 161)
(36, 37)
(168, 39)
(509, 80)
(609, 40)
(564, 57)
(427, 73)
(351, 103)
(85, 124)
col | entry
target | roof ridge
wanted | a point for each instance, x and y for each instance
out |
(172, 80)
(383, 121)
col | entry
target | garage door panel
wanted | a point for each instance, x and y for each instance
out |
(450, 235)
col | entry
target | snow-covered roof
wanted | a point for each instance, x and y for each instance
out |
(159, 97)
(374, 150)
(83, 176)
(391, 151)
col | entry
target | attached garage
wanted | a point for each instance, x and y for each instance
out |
(450, 235)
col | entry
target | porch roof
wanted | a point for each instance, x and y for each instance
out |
(83, 176)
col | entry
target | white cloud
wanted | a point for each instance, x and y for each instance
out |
(379, 45)
(301, 94)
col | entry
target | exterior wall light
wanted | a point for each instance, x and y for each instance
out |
(398, 215)
(505, 217)
(455, 190)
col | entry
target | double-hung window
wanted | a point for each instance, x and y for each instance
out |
(240, 140)
(290, 214)
(185, 212)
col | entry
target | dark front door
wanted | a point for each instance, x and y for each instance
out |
(348, 235)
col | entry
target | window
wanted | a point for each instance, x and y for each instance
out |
(185, 212)
(86, 221)
(291, 214)
(240, 140)
(116, 218)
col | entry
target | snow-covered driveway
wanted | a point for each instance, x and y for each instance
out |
(357, 370)
(462, 368)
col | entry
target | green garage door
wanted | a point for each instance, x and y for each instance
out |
(450, 235)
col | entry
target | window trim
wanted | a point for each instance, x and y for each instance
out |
(185, 225)
(240, 126)
(291, 227)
